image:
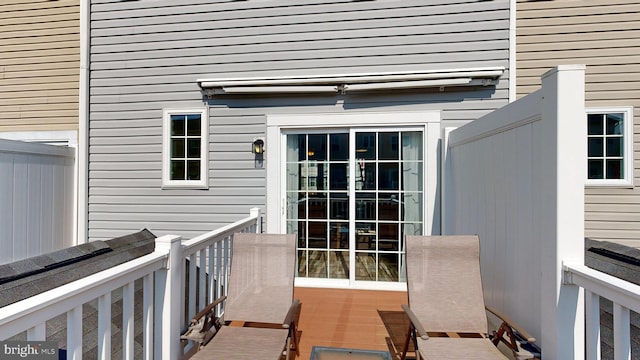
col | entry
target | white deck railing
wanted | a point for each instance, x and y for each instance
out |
(162, 273)
(625, 297)
(212, 251)
(32, 313)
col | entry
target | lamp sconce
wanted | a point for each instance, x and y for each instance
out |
(257, 147)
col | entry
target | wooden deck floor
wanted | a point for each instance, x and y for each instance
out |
(346, 318)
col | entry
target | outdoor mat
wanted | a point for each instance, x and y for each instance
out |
(397, 323)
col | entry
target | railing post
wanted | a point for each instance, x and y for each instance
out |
(256, 212)
(560, 173)
(169, 292)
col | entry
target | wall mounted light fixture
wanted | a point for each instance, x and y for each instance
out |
(257, 147)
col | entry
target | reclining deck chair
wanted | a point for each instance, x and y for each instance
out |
(446, 304)
(259, 310)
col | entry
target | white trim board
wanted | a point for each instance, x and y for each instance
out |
(62, 137)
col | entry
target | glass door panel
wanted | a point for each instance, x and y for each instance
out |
(390, 165)
(363, 220)
(318, 203)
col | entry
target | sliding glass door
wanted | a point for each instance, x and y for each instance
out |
(352, 195)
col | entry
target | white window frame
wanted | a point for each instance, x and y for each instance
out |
(203, 183)
(627, 180)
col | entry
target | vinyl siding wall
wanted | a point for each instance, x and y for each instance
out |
(147, 55)
(604, 35)
(39, 65)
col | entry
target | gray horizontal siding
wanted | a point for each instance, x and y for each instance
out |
(274, 15)
(268, 37)
(333, 62)
(146, 56)
(142, 46)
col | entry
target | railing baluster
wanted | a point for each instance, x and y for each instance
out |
(257, 228)
(192, 285)
(202, 285)
(147, 316)
(592, 320)
(128, 334)
(621, 333)
(210, 273)
(104, 326)
(218, 276)
(74, 333)
(37, 333)
(226, 263)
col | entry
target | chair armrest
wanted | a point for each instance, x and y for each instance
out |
(415, 322)
(291, 314)
(530, 339)
(208, 308)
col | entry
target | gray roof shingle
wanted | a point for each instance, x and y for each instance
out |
(29, 277)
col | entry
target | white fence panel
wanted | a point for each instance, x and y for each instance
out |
(36, 199)
(516, 178)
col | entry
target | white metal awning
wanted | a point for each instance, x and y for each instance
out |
(343, 83)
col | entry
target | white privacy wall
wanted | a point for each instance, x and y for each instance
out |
(36, 199)
(516, 178)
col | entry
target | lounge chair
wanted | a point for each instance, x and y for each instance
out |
(259, 310)
(446, 304)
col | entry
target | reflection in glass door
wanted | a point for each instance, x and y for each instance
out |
(351, 199)
(318, 203)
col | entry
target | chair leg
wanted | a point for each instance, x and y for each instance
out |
(511, 342)
(293, 334)
(288, 348)
(408, 338)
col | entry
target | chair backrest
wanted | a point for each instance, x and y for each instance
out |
(444, 285)
(261, 278)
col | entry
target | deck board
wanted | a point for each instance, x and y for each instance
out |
(345, 318)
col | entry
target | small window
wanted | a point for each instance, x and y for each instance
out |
(185, 148)
(610, 147)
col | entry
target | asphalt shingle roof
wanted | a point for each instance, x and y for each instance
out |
(23, 279)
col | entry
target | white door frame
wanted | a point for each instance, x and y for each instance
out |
(277, 125)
